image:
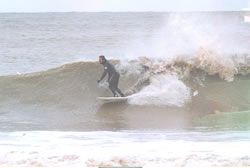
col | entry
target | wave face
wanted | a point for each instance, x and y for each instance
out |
(67, 93)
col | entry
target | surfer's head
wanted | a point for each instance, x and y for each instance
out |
(102, 59)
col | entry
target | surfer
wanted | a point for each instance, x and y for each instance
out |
(113, 76)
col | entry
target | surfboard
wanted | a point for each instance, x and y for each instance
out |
(112, 99)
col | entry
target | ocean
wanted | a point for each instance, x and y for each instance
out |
(186, 75)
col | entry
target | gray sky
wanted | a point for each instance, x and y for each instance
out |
(121, 5)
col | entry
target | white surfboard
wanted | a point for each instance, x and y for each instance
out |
(111, 99)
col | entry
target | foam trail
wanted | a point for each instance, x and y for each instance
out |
(163, 90)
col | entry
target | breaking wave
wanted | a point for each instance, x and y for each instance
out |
(205, 83)
(143, 77)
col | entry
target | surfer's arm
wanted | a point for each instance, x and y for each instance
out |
(103, 75)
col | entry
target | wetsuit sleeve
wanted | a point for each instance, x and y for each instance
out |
(104, 73)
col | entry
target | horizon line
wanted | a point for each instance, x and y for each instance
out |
(242, 10)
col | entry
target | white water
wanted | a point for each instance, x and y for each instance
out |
(133, 148)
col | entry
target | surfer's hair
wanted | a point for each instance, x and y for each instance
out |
(102, 57)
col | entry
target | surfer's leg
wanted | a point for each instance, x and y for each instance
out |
(116, 82)
(113, 90)
(120, 92)
(112, 87)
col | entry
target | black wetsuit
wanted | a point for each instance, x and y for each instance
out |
(113, 78)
